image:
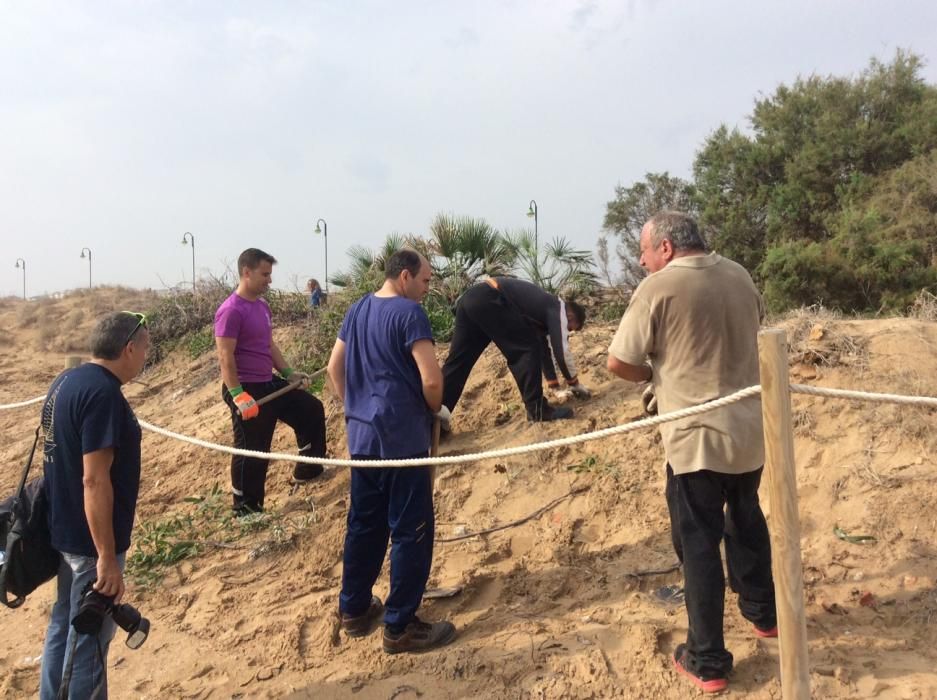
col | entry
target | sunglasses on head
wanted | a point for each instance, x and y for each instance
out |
(141, 323)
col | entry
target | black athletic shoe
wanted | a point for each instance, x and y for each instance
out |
(714, 683)
(306, 472)
(245, 510)
(545, 412)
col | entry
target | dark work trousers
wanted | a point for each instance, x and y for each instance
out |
(484, 316)
(299, 409)
(707, 507)
(396, 503)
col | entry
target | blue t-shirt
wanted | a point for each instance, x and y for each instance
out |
(86, 411)
(385, 412)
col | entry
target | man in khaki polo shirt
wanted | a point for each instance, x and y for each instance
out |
(691, 328)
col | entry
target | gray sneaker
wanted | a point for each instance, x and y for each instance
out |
(419, 636)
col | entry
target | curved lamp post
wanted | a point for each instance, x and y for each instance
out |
(532, 212)
(18, 261)
(185, 238)
(325, 237)
(89, 263)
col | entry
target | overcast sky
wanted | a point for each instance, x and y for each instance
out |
(125, 124)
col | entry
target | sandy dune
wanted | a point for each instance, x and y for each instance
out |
(553, 608)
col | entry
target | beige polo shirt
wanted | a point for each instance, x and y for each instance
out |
(697, 321)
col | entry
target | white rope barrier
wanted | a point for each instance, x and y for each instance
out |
(29, 402)
(476, 456)
(538, 446)
(864, 395)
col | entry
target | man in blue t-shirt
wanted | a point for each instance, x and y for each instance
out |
(91, 463)
(384, 368)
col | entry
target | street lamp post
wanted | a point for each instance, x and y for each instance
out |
(191, 238)
(532, 212)
(325, 237)
(18, 261)
(89, 264)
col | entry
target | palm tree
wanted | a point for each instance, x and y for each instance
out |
(462, 250)
(558, 268)
(367, 266)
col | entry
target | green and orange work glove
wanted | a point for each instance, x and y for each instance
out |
(245, 403)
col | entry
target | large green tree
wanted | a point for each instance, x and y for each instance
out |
(629, 211)
(810, 200)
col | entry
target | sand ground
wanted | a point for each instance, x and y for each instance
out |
(553, 608)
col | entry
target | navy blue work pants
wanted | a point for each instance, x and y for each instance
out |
(395, 503)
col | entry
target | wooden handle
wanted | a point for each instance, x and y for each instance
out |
(288, 388)
(434, 450)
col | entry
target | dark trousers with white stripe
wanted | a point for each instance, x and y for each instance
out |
(396, 504)
(299, 409)
(484, 315)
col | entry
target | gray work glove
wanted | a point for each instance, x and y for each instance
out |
(649, 400)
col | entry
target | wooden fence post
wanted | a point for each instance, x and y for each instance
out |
(784, 524)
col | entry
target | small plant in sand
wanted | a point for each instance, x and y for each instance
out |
(593, 465)
(210, 524)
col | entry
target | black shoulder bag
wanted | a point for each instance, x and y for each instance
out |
(28, 557)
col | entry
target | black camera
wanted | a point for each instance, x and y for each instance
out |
(92, 609)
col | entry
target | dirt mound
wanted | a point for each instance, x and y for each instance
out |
(558, 606)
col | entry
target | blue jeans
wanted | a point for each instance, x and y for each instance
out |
(396, 504)
(90, 663)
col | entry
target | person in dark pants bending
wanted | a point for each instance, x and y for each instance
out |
(384, 369)
(698, 351)
(530, 327)
(248, 356)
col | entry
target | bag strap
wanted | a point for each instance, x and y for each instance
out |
(29, 463)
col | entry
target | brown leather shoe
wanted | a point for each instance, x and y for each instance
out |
(419, 636)
(364, 624)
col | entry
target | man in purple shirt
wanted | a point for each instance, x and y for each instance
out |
(248, 356)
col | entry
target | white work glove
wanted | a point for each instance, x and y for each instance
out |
(562, 395)
(580, 391)
(445, 417)
(294, 375)
(649, 400)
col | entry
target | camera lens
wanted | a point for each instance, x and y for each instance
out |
(130, 620)
(136, 638)
(126, 616)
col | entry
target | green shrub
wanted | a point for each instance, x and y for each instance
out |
(199, 342)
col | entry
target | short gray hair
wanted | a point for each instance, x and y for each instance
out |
(111, 335)
(680, 229)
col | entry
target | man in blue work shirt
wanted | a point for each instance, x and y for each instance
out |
(384, 368)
